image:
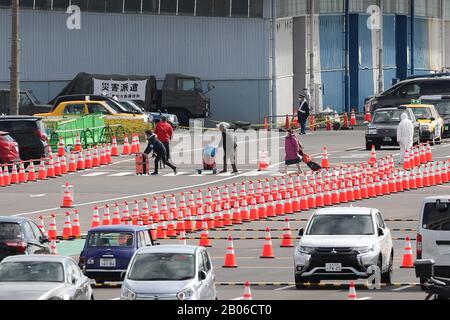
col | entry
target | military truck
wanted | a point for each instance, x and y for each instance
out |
(28, 103)
(180, 94)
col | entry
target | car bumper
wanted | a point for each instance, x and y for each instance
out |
(382, 141)
(105, 275)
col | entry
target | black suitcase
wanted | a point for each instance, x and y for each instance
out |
(314, 166)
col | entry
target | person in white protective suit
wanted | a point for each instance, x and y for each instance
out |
(405, 135)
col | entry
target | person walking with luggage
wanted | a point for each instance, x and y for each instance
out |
(303, 113)
(229, 145)
(159, 150)
(292, 150)
(164, 132)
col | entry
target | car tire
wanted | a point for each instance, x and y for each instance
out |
(368, 146)
(377, 147)
(300, 281)
(386, 277)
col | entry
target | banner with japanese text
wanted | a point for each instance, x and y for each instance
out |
(130, 89)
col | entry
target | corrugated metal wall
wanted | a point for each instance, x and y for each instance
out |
(389, 50)
(285, 71)
(366, 63)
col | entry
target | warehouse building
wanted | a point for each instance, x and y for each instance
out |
(229, 44)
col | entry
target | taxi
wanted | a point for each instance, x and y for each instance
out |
(76, 108)
(431, 123)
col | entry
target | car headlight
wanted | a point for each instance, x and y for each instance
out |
(364, 249)
(127, 294)
(372, 131)
(185, 294)
(425, 127)
(303, 249)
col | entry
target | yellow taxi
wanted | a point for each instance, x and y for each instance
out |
(68, 109)
(431, 123)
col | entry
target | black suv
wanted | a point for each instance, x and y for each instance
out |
(410, 89)
(21, 236)
(29, 133)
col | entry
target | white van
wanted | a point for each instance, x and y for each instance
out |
(433, 234)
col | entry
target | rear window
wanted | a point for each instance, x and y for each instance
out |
(9, 231)
(110, 239)
(18, 126)
(389, 116)
(436, 216)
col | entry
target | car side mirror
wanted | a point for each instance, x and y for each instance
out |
(201, 275)
(380, 232)
(122, 275)
(301, 232)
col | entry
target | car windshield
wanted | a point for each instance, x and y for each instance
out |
(110, 239)
(436, 216)
(33, 97)
(130, 105)
(163, 267)
(422, 113)
(443, 107)
(345, 224)
(31, 271)
(119, 108)
(9, 231)
(389, 116)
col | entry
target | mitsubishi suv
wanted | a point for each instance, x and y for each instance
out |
(344, 243)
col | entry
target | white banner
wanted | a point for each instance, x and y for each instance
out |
(130, 89)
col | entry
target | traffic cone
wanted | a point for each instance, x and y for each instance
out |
(204, 236)
(244, 210)
(2, 182)
(267, 252)
(445, 174)
(126, 214)
(287, 124)
(108, 154)
(72, 164)
(287, 236)
(247, 292)
(95, 218)
(319, 197)
(67, 196)
(57, 167)
(103, 160)
(266, 124)
(236, 213)
(373, 156)
(116, 215)
(406, 164)
(352, 292)
(95, 159)
(53, 247)
(312, 122)
(78, 147)
(133, 144)
(61, 148)
(230, 258)
(41, 225)
(14, 176)
(67, 231)
(429, 154)
(345, 125)
(412, 180)
(325, 162)
(52, 232)
(106, 221)
(353, 118)
(76, 231)
(254, 210)
(135, 213)
(114, 148)
(270, 207)
(422, 154)
(126, 151)
(227, 217)
(199, 219)
(22, 175)
(408, 259)
(50, 167)
(88, 160)
(218, 218)
(416, 157)
(6, 179)
(368, 117)
(329, 126)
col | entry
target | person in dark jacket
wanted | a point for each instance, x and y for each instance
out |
(303, 113)
(158, 148)
(229, 145)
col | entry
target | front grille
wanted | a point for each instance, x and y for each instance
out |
(337, 250)
(154, 296)
(387, 132)
(347, 257)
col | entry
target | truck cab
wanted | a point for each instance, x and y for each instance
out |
(28, 103)
(183, 96)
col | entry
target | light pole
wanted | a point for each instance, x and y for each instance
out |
(273, 110)
(312, 102)
(14, 75)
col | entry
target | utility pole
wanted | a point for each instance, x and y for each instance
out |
(412, 9)
(347, 57)
(312, 102)
(274, 63)
(380, 50)
(14, 76)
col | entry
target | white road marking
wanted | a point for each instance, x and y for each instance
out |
(364, 298)
(173, 175)
(122, 174)
(240, 298)
(284, 288)
(95, 174)
(115, 299)
(403, 288)
(37, 195)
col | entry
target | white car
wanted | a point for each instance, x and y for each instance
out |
(433, 234)
(342, 243)
(169, 272)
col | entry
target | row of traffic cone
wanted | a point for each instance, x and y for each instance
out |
(70, 230)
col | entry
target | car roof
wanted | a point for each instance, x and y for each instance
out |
(392, 108)
(31, 118)
(38, 257)
(434, 198)
(344, 210)
(422, 105)
(170, 248)
(116, 228)
(12, 219)
(82, 101)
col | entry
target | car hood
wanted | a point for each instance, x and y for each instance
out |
(29, 290)
(157, 287)
(383, 125)
(337, 241)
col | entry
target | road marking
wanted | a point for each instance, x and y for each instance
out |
(403, 288)
(122, 174)
(364, 298)
(284, 288)
(173, 175)
(115, 299)
(37, 195)
(240, 298)
(94, 174)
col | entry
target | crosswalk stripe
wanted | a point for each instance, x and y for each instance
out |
(173, 175)
(94, 174)
(122, 174)
(189, 174)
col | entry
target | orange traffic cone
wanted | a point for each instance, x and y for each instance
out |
(72, 164)
(41, 225)
(103, 160)
(230, 258)
(95, 218)
(267, 252)
(204, 236)
(353, 118)
(95, 159)
(14, 176)
(368, 117)
(422, 154)
(329, 126)
(114, 148)
(76, 231)
(61, 148)
(78, 147)
(57, 167)
(325, 162)
(50, 167)
(88, 160)
(352, 292)
(236, 213)
(406, 165)
(287, 124)
(68, 196)
(106, 216)
(287, 237)
(126, 151)
(345, 126)
(53, 247)
(80, 161)
(67, 231)
(408, 259)
(133, 144)
(22, 175)
(266, 123)
(108, 154)
(247, 292)
(2, 182)
(429, 154)
(373, 156)
(116, 215)
(52, 232)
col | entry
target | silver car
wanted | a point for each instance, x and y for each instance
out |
(43, 277)
(169, 272)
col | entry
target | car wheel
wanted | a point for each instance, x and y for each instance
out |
(368, 146)
(386, 277)
(377, 147)
(300, 282)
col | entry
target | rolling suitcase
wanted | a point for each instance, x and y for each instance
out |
(142, 164)
(314, 166)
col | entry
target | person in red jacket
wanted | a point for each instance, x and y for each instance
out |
(164, 132)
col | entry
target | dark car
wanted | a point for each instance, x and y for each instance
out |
(411, 89)
(382, 131)
(29, 133)
(109, 249)
(9, 149)
(442, 104)
(28, 103)
(21, 236)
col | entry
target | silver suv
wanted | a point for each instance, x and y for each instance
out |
(342, 243)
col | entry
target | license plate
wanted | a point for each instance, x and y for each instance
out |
(388, 139)
(333, 267)
(107, 262)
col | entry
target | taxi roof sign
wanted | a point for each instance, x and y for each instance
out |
(416, 101)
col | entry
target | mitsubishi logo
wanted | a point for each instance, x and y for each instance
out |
(334, 251)
(156, 297)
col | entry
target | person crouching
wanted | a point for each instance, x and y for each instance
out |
(158, 148)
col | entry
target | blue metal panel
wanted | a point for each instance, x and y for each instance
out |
(389, 74)
(421, 44)
(389, 41)
(333, 89)
(331, 42)
(401, 44)
(365, 43)
(366, 86)
(354, 60)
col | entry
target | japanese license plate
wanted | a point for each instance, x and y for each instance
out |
(387, 139)
(333, 267)
(107, 262)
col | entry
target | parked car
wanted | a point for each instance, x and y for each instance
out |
(382, 131)
(28, 103)
(410, 89)
(109, 249)
(442, 104)
(85, 107)
(43, 277)
(171, 118)
(20, 236)
(29, 133)
(131, 105)
(9, 149)
(170, 272)
(431, 123)
(342, 243)
(433, 234)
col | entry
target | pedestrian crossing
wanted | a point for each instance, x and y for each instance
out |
(245, 173)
